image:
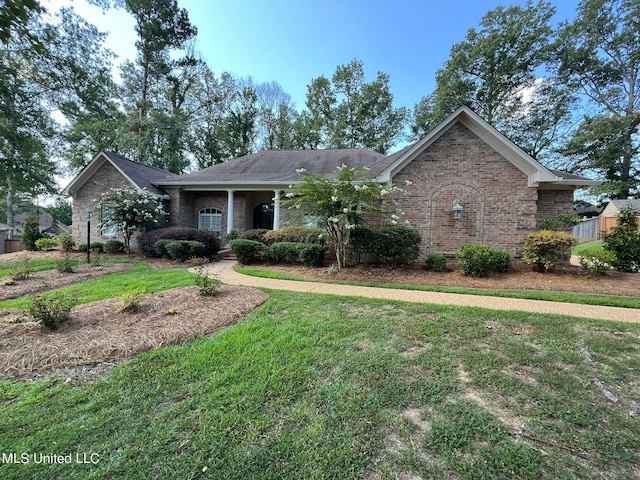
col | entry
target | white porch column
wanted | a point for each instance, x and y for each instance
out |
(229, 210)
(276, 210)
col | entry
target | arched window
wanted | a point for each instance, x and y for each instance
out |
(210, 219)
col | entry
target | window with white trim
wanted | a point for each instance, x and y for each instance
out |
(108, 232)
(210, 219)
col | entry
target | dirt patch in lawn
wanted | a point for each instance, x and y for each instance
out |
(98, 335)
(566, 278)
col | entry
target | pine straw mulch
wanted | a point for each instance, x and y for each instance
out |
(98, 335)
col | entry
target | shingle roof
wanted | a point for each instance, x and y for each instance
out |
(622, 204)
(281, 166)
(144, 176)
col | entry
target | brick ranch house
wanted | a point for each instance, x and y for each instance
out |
(504, 193)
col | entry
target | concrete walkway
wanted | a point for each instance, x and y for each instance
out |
(224, 271)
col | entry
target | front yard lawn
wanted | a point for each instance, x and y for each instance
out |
(312, 386)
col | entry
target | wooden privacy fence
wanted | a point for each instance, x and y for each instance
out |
(11, 246)
(588, 230)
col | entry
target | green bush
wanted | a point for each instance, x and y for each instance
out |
(46, 243)
(130, 301)
(437, 263)
(296, 253)
(160, 247)
(82, 247)
(362, 241)
(248, 251)
(97, 247)
(31, 232)
(479, 260)
(65, 264)
(52, 309)
(398, 246)
(294, 234)
(66, 241)
(624, 241)
(114, 247)
(546, 248)
(21, 270)
(232, 235)
(257, 235)
(596, 260)
(147, 240)
(182, 250)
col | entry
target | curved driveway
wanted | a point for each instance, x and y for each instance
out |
(225, 272)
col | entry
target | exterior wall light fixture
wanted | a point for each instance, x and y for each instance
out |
(457, 209)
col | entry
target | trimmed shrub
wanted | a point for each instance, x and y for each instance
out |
(596, 260)
(257, 235)
(398, 246)
(248, 251)
(182, 250)
(114, 247)
(46, 243)
(97, 247)
(293, 253)
(479, 260)
(147, 240)
(232, 235)
(362, 241)
(160, 247)
(52, 309)
(437, 263)
(624, 241)
(294, 234)
(130, 301)
(82, 247)
(546, 248)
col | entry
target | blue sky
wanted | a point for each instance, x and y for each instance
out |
(293, 41)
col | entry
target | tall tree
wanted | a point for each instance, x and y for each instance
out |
(14, 19)
(348, 112)
(600, 56)
(497, 70)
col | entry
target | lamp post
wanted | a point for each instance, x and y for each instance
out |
(457, 209)
(89, 215)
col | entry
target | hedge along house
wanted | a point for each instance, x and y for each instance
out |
(469, 184)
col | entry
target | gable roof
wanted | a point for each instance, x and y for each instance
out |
(278, 167)
(142, 177)
(536, 173)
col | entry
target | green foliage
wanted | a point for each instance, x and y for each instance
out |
(596, 260)
(545, 248)
(398, 246)
(147, 241)
(256, 234)
(479, 260)
(248, 251)
(362, 241)
(128, 211)
(624, 241)
(31, 233)
(52, 309)
(64, 264)
(294, 234)
(232, 235)
(296, 253)
(207, 286)
(182, 250)
(97, 247)
(61, 211)
(21, 270)
(46, 243)
(561, 222)
(340, 201)
(114, 247)
(66, 241)
(161, 247)
(130, 301)
(437, 263)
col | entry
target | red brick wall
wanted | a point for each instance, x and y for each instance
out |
(499, 208)
(552, 203)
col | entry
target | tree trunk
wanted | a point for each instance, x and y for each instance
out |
(11, 191)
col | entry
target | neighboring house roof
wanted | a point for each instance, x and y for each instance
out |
(614, 206)
(139, 175)
(277, 167)
(5, 228)
(45, 220)
(536, 173)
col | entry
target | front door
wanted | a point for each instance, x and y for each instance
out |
(263, 216)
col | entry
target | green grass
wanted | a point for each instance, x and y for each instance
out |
(578, 249)
(313, 386)
(141, 277)
(552, 296)
(35, 264)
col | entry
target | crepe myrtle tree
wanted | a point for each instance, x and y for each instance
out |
(341, 201)
(129, 210)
